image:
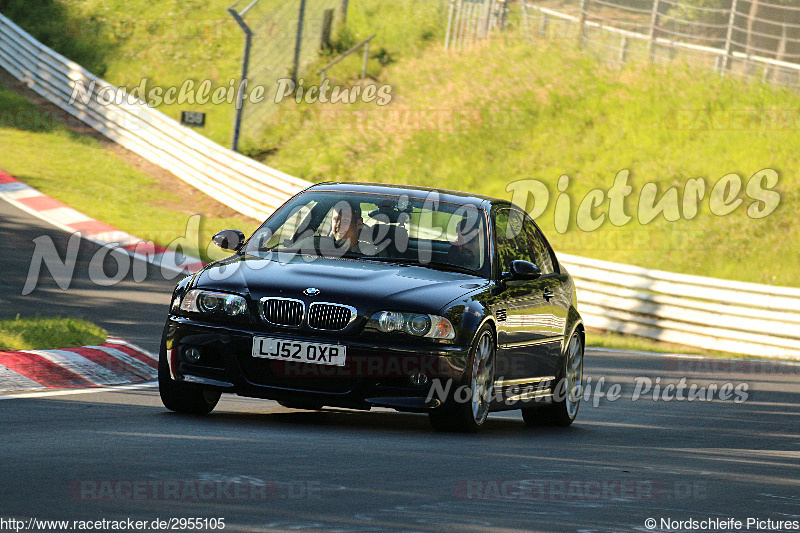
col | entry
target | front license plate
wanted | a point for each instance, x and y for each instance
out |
(299, 352)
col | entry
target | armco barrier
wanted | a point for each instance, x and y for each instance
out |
(243, 184)
(696, 311)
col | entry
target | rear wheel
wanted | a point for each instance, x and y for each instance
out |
(566, 393)
(181, 397)
(467, 409)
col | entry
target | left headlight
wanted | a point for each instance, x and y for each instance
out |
(419, 325)
(197, 301)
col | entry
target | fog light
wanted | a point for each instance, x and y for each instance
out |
(191, 354)
(418, 379)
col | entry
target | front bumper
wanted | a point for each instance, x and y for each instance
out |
(374, 374)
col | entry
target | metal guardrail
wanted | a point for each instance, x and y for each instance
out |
(239, 182)
(697, 311)
(710, 313)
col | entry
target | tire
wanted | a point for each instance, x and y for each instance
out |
(470, 416)
(181, 397)
(566, 393)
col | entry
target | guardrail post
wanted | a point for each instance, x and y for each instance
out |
(344, 11)
(726, 64)
(653, 25)
(582, 22)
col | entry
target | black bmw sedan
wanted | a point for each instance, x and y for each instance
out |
(364, 295)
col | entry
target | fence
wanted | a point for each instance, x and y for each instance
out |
(471, 20)
(751, 38)
(363, 44)
(705, 312)
(233, 179)
(281, 37)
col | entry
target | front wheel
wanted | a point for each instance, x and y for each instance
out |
(180, 397)
(468, 406)
(566, 393)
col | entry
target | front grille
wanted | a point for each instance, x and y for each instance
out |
(332, 317)
(283, 311)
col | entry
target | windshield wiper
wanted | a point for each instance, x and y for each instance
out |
(449, 266)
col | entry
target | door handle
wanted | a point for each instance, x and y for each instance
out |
(548, 294)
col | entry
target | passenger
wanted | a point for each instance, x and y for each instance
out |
(465, 251)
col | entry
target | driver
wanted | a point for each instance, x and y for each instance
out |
(346, 223)
(465, 251)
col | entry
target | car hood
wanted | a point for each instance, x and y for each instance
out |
(367, 285)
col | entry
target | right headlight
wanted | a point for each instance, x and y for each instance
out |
(416, 324)
(197, 301)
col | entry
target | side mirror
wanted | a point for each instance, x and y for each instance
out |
(521, 270)
(229, 239)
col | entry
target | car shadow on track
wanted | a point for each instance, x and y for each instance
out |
(379, 422)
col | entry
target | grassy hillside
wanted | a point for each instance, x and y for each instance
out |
(90, 175)
(512, 111)
(170, 41)
(487, 118)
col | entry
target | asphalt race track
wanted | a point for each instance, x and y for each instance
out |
(119, 455)
(134, 311)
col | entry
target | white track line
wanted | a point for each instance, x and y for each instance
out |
(68, 392)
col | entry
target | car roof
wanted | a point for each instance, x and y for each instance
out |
(445, 195)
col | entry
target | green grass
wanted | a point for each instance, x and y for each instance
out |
(483, 119)
(42, 333)
(125, 41)
(510, 111)
(403, 31)
(81, 172)
(170, 41)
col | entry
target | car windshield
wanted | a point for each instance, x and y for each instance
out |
(377, 227)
